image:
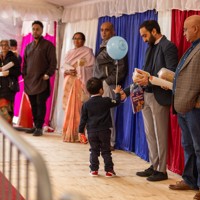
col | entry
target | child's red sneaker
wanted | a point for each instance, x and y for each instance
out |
(110, 174)
(94, 173)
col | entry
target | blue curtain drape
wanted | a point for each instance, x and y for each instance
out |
(130, 130)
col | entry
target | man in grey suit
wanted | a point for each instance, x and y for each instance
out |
(161, 53)
(186, 90)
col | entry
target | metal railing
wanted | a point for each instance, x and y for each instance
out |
(19, 158)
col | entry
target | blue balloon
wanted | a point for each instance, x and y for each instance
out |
(117, 47)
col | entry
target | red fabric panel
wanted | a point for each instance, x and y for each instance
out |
(25, 113)
(175, 151)
(7, 191)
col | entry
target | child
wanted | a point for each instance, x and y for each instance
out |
(95, 115)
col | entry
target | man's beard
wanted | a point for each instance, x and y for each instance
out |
(152, 40)
(36, 37)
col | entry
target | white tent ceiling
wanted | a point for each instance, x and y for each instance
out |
(77, 10)
(68, 2)
(46, 10)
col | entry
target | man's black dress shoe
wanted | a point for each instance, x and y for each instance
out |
(147, 172)
(158, 176)
(31, 130)
(37, 132)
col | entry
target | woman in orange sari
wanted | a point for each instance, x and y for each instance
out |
(77, 69)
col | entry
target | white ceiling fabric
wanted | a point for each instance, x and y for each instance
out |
(99, 8)
(29, 10)
(78, 10)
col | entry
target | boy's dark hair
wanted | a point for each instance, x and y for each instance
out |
(94, 85)
(150, 25)
(13, 43)
(39, 23)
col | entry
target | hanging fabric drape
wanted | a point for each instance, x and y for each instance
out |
(130, 129)
(29, 10)
(89, 28)
(164, 20)
(101, 8)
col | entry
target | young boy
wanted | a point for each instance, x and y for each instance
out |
(95, 115)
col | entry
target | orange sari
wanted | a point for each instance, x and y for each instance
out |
(74, 92)
(72, 96)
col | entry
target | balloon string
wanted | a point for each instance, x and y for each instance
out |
(117, 71)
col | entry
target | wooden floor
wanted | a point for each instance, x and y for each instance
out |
(69, 172)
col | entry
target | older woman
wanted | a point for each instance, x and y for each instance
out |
(8, 80)
(77, 70)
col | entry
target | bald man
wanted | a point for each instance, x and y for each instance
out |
(105, 69)
(186, 90)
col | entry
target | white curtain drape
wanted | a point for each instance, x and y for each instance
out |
(95, 9)
(164, 20)
(48, 27)
(9, 30)
(164, 5)
(89, 28)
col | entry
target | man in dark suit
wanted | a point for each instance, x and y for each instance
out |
(161, 53)
(186, 90)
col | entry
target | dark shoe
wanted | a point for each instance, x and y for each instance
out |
(37, 132)
(31, 130)
(180, 185)
(158, 176)
(147, 172)
(197, 196)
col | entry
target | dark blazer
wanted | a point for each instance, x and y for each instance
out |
(105, 67)
(95, 113)
(166, 55)
(187, 92)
